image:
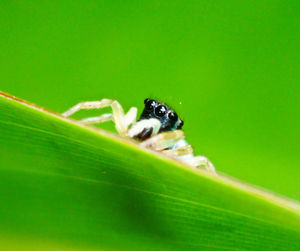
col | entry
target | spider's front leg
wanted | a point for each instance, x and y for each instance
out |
(122, 121)
(163, 140)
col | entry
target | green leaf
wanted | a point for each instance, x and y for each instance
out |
(68, 186)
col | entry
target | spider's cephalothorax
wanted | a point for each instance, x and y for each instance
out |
(168, 118)
(156, 110)
(159, 128)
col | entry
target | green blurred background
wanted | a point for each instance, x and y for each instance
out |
(230, 69)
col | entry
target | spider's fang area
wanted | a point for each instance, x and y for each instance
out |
(145, 134)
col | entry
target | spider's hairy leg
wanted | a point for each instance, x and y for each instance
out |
(121, 121)
(163, 140)
(201, 162)
(181, 151)
(130, 117)
(98, 119)
(89, 105)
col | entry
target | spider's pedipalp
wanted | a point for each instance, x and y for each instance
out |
(141, 125)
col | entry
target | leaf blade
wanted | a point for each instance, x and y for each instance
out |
(111, 187)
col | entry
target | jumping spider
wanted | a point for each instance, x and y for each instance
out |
(158, 128)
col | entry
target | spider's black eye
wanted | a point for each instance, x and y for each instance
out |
(149, 104)
(180, 124)
(173, 116)
(160, 111)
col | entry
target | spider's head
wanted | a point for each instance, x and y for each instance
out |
(168, 118)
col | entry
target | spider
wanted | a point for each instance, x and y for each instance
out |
(158, 128)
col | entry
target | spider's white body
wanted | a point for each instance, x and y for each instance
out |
(171, 143)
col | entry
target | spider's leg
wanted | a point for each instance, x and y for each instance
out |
(130, 117)
(89, 105)
(180, 151)
(121, 121)
(201, 162)
(98, 119)
(163, 140)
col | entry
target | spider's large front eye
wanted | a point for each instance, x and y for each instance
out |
(173, 116)
(149, 104)
(180, 124)
(160, 111)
